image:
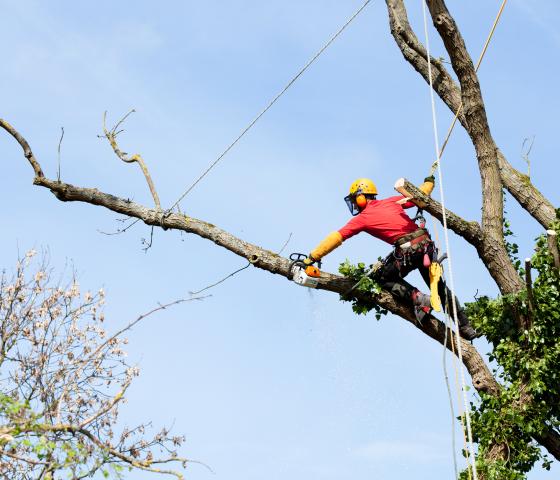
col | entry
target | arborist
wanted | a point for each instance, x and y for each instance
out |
(413, 248)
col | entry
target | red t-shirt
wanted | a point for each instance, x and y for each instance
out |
(384, 219)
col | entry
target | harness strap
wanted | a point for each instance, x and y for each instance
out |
(418, 236)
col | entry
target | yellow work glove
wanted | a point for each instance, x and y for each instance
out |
(309, 261)
(436, 271)
(428, 186)
(330, 242)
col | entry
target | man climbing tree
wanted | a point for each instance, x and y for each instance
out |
(518, 412)
(412, 248)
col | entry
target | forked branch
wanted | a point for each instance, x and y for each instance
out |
(111, 136)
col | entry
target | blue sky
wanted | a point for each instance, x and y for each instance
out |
(264, 378)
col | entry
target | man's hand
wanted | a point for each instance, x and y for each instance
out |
(428, 186)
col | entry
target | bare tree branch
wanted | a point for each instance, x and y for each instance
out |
(525, 152)
(486, 247)
(111, 136)
(26, 148)
(58, 152)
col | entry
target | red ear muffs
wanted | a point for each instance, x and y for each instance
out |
(361, 201)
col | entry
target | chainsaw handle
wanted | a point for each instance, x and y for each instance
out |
(300, 257)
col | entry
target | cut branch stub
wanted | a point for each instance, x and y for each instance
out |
(400, 187)
(553, 247)
(111, 136)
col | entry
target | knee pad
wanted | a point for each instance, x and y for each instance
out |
(401, 291)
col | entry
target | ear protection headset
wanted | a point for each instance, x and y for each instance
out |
(360, 199)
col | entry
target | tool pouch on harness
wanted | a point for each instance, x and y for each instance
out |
(415, 243)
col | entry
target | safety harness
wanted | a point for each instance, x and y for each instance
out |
(420, 242)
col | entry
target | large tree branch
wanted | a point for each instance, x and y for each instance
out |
(518, 185)
(269, 261)
(485, 147)
(482, 378)
(551, 441)
(470, 231)
(488, 249)
(258, 257)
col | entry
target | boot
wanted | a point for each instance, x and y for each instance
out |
(465, 328)
(421, 303)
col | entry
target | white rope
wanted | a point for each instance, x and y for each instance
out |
(272, 102)
(448, 249)
(451, 408)
(449, 324)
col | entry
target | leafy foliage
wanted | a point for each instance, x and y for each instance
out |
(525, 348)
(512, 248)
(365, 284)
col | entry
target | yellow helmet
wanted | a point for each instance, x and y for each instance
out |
(365, 185)
(361, 191)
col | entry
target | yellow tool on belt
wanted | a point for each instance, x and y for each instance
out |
(436, 271)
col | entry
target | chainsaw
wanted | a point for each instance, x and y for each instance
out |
(302, 274)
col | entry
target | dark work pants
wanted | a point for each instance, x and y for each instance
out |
(391, 277)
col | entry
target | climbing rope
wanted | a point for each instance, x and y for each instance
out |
(451, 407)
(271, 103)
(449, 325)
(472, 459)
(460, 109)
(457, 391)
(436, 165)
(435, 231)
